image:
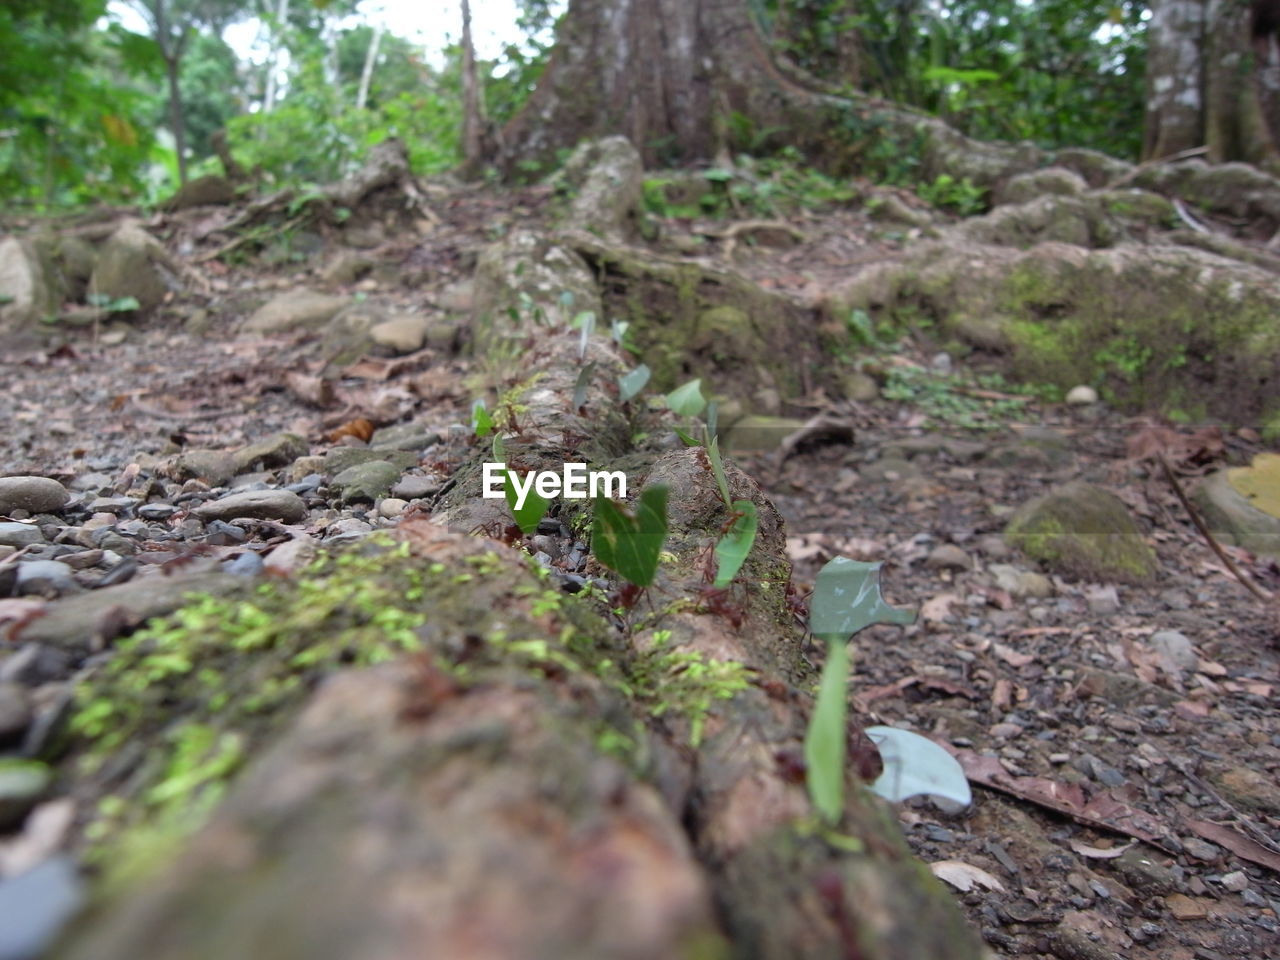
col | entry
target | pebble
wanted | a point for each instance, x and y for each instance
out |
(1175, 651)
(279, 505)
(1235, 881)
(947, 557)
(45, 578)
(1200, 849)
(36, 905)
(1082, 396)
(19, 535)
(33, 494)
(33, 664)
(1103, 601)
(366, 482)
(248, 564)
(1021, 583)
(391, 507)
(413, 487)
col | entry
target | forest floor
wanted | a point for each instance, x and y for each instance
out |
(1158, 699)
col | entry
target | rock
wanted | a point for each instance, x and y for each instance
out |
(860, 387)
(291, 556)
(891, 208)
(415, 488)
(403, 436)
(339, 459)
(33, 494)
(457, 296)
(890, 469)
(279, 505)
(993, 546)
(34, 664)
(345, 269)
(214, 467)
(1083, 531)
(248, 564)
(1233, 518)
(132, 263)
(22, 785)
(277, 450)
(46, 578)
(15, 714)
(1175, 651)
(19, 534)
(1250, 789)
(1025, 187)
(296, 309)
(1235, 881)
(36, 905)
(366, 482)
(1020, 583)
(211, 190)
(1142, 872)
(27, 291)
(1082, 396)
(446, 336)
(391, 507)
(76, 624)
(947, 557)
(1201, 849)
(404, 333)
(1103, 601)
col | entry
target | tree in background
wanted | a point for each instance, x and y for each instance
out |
(173, 23)
(1212, 80)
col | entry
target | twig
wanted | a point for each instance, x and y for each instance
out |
(1186, 218)
(1249, 585)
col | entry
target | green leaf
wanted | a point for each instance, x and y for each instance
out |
(499, 449)
(687, 440)
(733, 547)
(481, 422)
(846, 599)
(586, 321)
(630, 544)
(687, 400)
(582, 383)
(717, 469)
(531, 512)
(629, 384)
(824, 742)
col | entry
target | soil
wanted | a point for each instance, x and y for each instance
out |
(1068, 690)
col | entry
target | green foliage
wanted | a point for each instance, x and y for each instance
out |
(687, 400)
(948, 399)
(736, 542)
(846, 599)
(1057, 72)
(632, 382)
(773, 186)
(960, 196)
(630, 543)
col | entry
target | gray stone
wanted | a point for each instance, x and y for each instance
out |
(22, 785)
(391, 507)
(1140, 870)
(1174, 650)
(26, 284)
(1020, 583)
(34, 494)
(1233, 519)
(367, 482)
(277, 450)
(404, 333)
(132, 263)
(279, 505)
(15, 714)
(76, 624)
(1103, 601)
(606, 178)
(296, 308)
(947, 557)
(339, 459)
(33, 664)
(36, 905)
(214, 467)
(1082, 396)
(19, 534)
(45, 578)
(993, 546)
(414, 487)
(403, 436)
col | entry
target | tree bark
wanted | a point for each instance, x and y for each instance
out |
(473, 115)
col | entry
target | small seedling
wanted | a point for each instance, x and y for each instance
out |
(632, 382)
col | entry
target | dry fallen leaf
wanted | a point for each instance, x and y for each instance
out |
(965, 876)
(937, 609)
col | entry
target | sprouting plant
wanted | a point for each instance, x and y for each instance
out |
(846, 599)
(961, 196)
(529, 511)
(630, 542)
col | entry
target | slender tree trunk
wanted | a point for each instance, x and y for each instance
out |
(175, 117)
(472, 101)
(370, 58)
(1175, 100)
(269, 95)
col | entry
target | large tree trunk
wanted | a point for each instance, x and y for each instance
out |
(1205, 82)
